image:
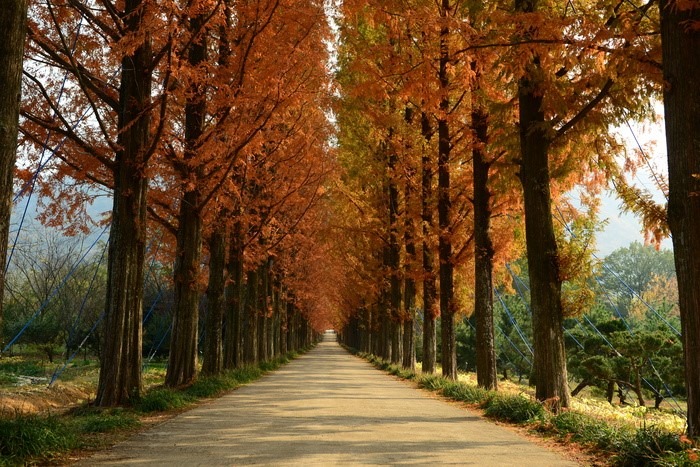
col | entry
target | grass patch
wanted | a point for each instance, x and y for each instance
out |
(162, 400)
(465, 393)
(514, 408)
(103, 421)
(33, 436)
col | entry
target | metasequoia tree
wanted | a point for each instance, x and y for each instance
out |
(246, 125)
(550, 123)
(105, 137)
(680, 23)
(12, 34)
(397, 71)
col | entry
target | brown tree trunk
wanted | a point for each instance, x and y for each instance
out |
(234, 300)
(430, 306)
(680, 40)
(410, 265)
(542, 257)
(13, 22)
(486, 370)
(120, 363)
(213, 339)
(182, 361)
(284, 326)
(250, 320)
(447, 306)
(394, 257)
(263, 319)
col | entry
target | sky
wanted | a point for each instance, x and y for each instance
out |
(624, 228)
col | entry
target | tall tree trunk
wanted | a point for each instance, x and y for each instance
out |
(13, 24)
(284, 325)
(680, 39)
(263, 320)
(120, 363)
(542, 256)
(250, 321)
(182, 362)
(213, 338)
(233, 348)
(430, 306)
(486, 371)
(394, 257)
(409, 286)
(447, 305)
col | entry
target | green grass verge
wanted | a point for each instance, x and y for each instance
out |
(36, 439)
(622, 446)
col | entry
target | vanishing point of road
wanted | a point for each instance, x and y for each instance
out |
(328, 408)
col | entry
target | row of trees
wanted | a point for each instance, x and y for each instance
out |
(215, 153)
(488, 115)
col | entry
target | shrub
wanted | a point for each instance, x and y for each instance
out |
(515, 409)
(588, 430)
(33, 435)
(432, 382)
(649, 446)
(105, 421)
(161, 400)
(465, 393)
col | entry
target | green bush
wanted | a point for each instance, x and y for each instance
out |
(515, 409)
(210, 386)
(27, 436)
(161, 400)
(649, 447)
(465, 392)
(105, 421)
(432, 382)
(588, 430)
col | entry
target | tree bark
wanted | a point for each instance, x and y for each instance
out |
(430, 306)
(182, 362)
(542, 257)
(250, 321)
(234, 300)
(394, 262)
(13, 25)
(213, 363)
(120, 364)
(680, 40)
(486, 370)
(447, 306)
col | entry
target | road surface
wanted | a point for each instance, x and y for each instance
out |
(328, 408)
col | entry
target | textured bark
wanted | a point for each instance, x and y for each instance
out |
(120, 363)
(213, 358)
(430, 307)
(234, 300)
(447, 306)
(394, 258)
(263, 321)
(542, 257)
(680, 45)
(486, 370)
(182, 361)
(284, 325)
(410, 263)
(250, 320)
(13, 22)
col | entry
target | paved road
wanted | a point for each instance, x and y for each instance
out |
(328, 408)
